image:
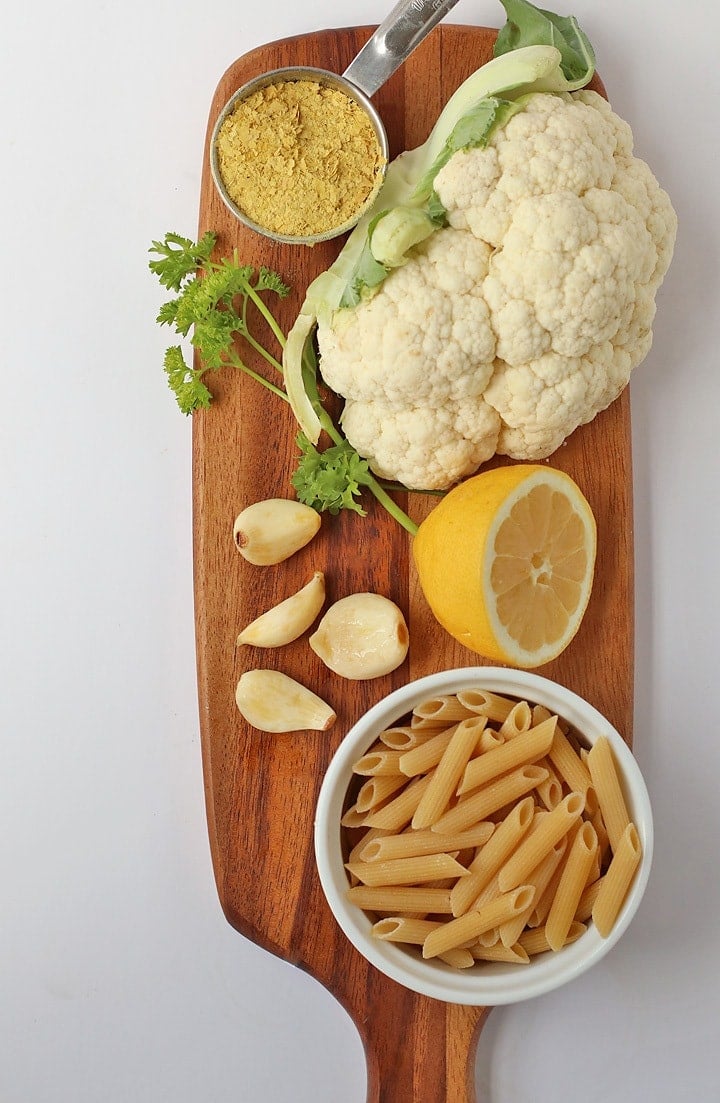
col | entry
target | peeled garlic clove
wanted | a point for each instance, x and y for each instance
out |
(288, 620)
(272, 530)
(273, 702)
(362, 636)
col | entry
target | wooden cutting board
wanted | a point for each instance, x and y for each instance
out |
(261, 789)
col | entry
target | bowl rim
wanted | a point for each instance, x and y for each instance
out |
(500, 983)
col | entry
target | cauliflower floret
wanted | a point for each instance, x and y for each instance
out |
(537, 401)
(576, 265)
(525, 317)
(556, 144)
(425, 338)
(424, 447)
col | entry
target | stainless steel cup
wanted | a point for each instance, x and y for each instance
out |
(398, 35)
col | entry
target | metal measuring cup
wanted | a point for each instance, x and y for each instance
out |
(409, 22)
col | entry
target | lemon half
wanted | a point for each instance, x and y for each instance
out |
(506, 562)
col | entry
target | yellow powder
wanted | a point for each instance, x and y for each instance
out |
(298, 158)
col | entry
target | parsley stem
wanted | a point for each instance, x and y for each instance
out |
(267, 315)
(386, 484)
(236, 362)
(263, 352)
(393, 509)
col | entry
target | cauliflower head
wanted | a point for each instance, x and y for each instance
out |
(521, 319)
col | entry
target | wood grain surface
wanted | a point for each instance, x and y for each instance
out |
(261, 789)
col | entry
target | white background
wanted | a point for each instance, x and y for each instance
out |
(119, 978)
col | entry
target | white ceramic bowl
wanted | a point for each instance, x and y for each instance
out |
(490, 983)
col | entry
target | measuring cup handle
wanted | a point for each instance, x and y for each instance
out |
(394, 40)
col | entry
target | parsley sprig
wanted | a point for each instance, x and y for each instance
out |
(211, 310)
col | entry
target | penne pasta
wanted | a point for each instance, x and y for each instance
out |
(501, 813)
(592, 805)
(443, 883)
(423, 758)
(542, 905)
(549, 791)
(457, 932)
(427, 724)
(404, 738)
(498, 952)
(524, 749)
(586, 902)
(401, 928)
(480, 843)
(601, 831)
(485, 703)
(539, 713)
(379, 762)
(459, 958)
(535, 942)
(353, 817)
(449, 770)
(398, 812)
(423, 842)
(487, 938)
(406, 871)
(489, 740)
(568, 763)
(377, 790)
(596, 867)
(366, 837)
(445, 707)
(482, 803)
(393, 898)
(539, 879)
(491, 857)
(533, 849)
(616, 882)
(606, 783)
(570, 887)
(490, 892)
(518, 720)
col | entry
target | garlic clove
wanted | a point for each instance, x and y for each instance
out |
(289, 619)
(273, 702)
(362, 636)
(269, 531)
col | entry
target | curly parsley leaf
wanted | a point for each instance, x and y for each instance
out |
(214, 337)
(185, 382)
(180, 257)
(330, 480)
(167, 314)
(267, 280)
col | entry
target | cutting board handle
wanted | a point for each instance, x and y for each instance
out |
(419, 1050)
